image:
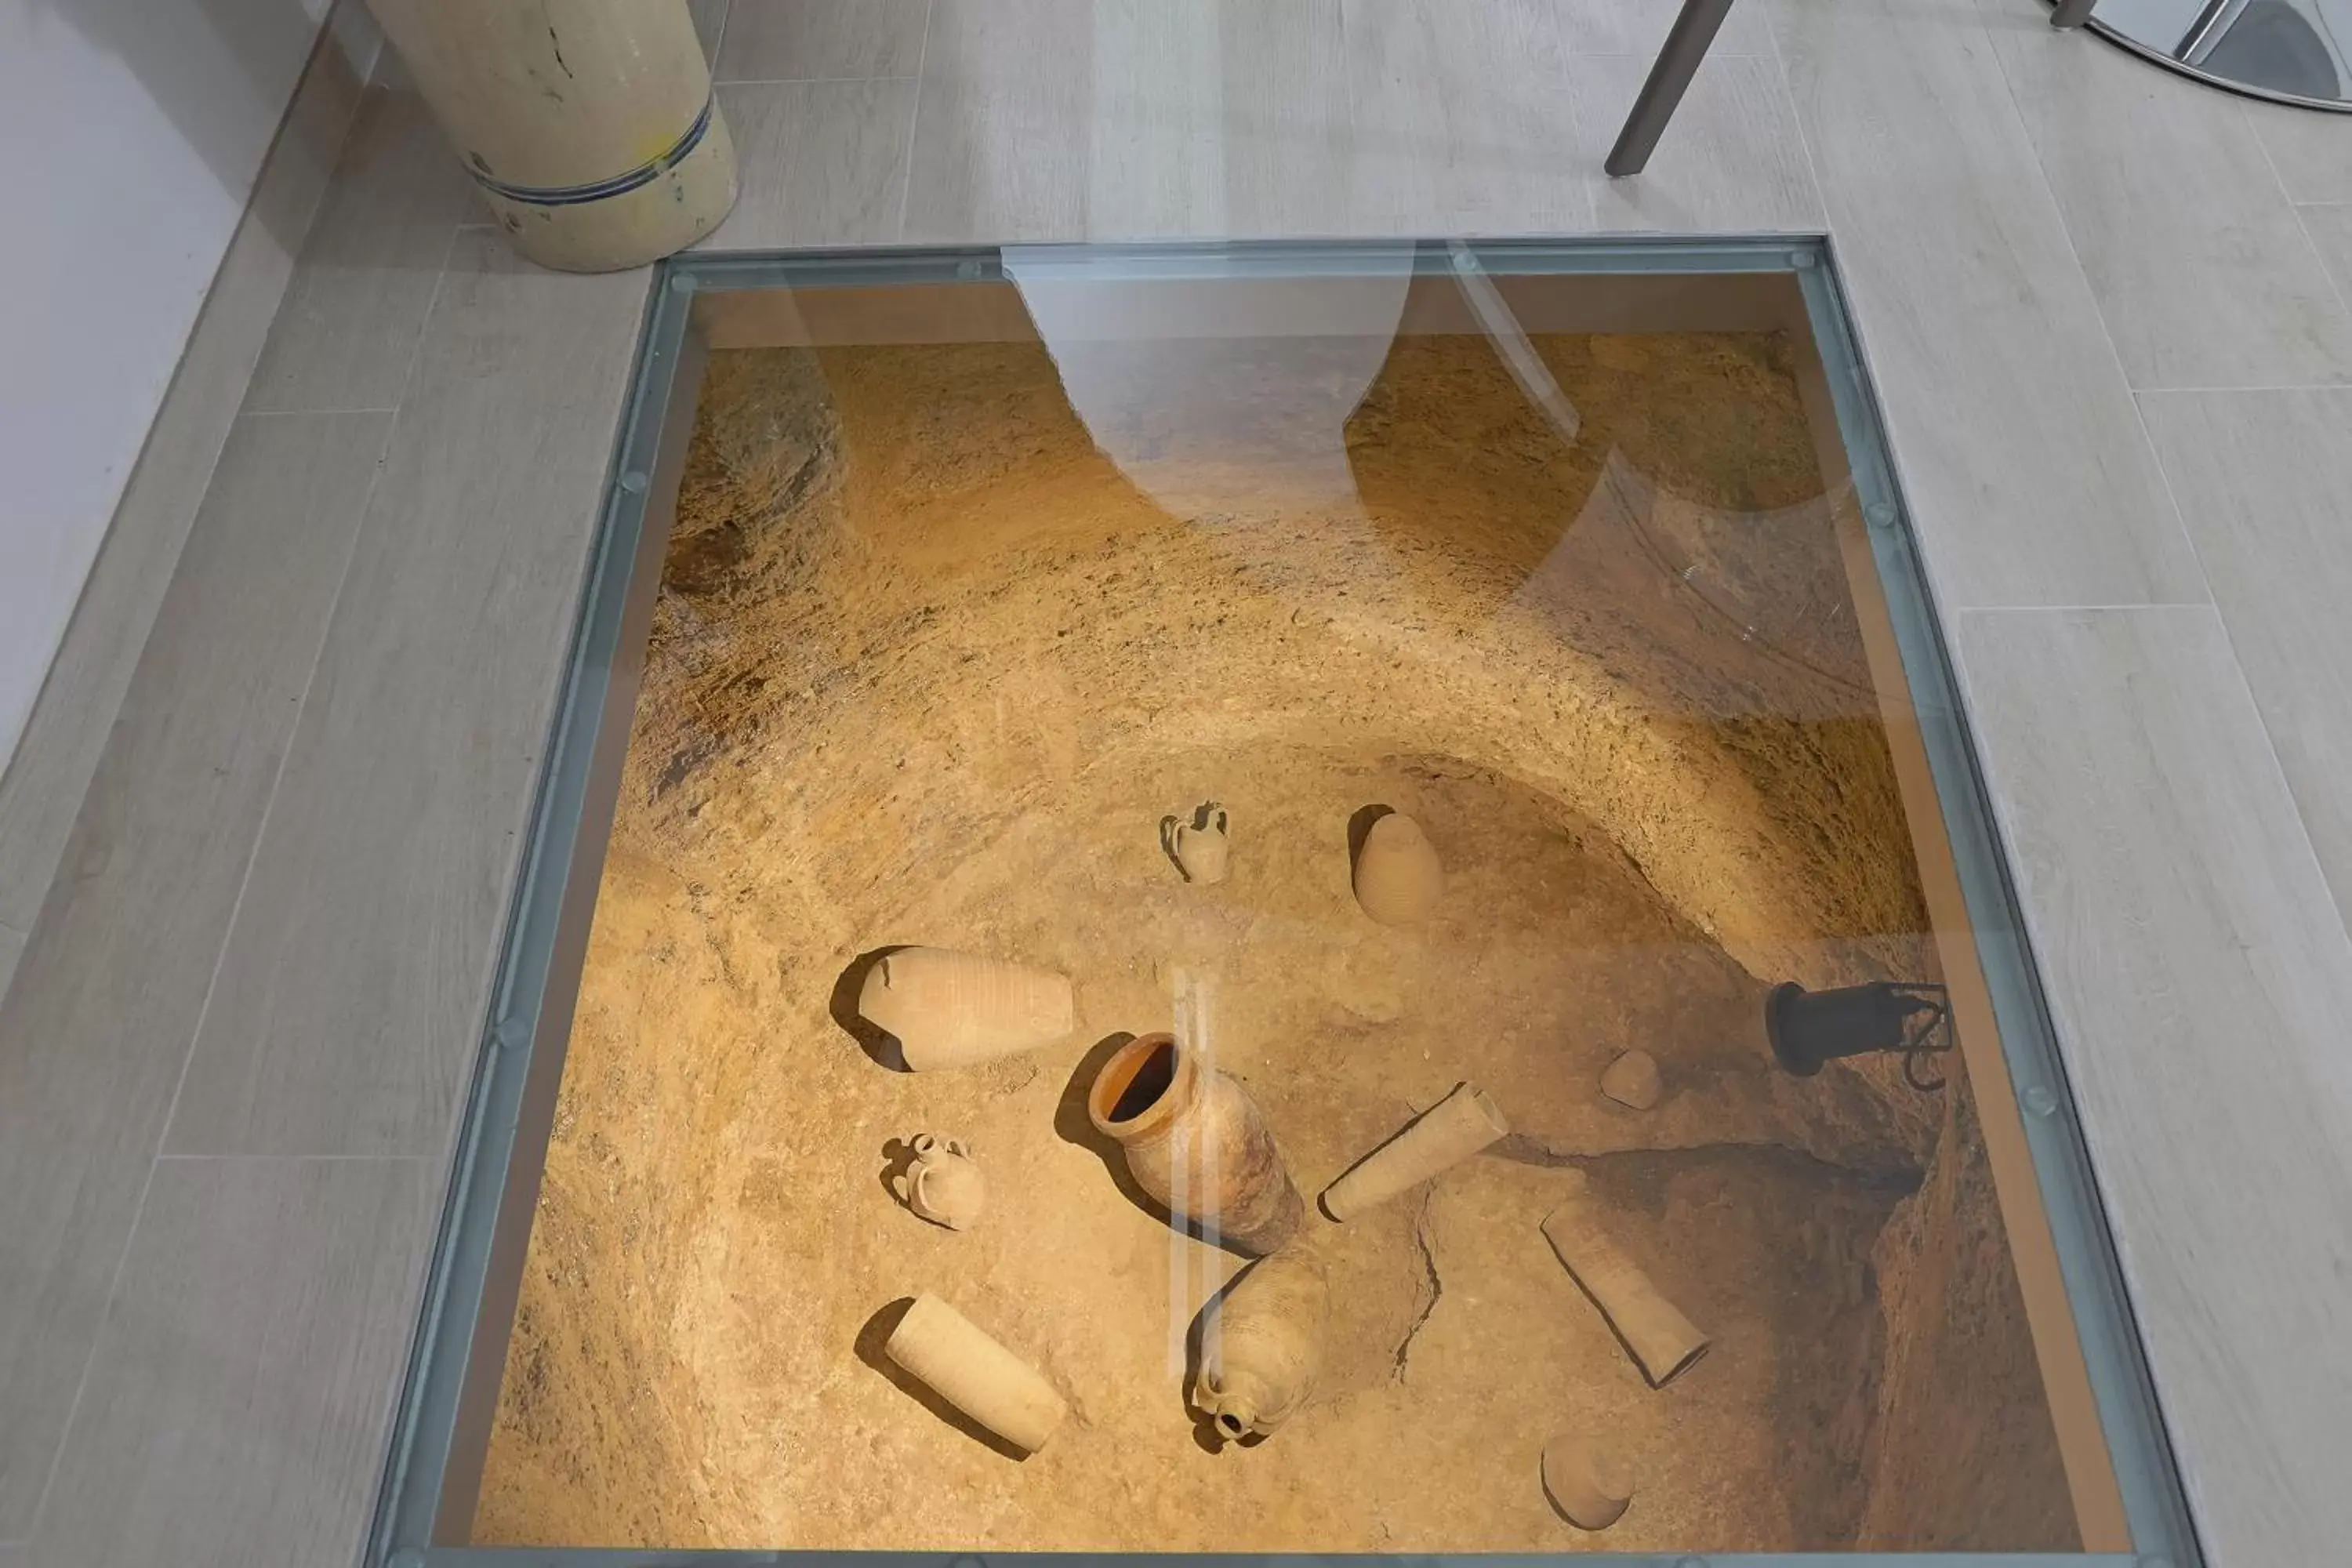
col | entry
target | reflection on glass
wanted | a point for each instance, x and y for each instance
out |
(1406, 779)
(2280, 48)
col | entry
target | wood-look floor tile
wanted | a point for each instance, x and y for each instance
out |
(2021, 451)
(348, 329)
(352, 991)
(1731, 161)
(821, 162)
(1218, 118)
(243, 1383)
(1639, 27)
(1131, 119)
(822, 40)
(1000, 136)
(41, 786)
(2330, 227)
(11, 948)
(96, 1028)
(2266, 481)
(2310, 149)
(710, 25)
(2201, 270)
(1465, 130)
(2199, 978)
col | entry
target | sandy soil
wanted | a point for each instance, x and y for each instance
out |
(929, 668)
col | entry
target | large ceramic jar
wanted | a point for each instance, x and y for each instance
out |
(1196, 1145)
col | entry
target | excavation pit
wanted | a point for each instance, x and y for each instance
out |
(984, 606)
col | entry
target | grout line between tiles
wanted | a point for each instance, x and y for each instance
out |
(914, 119)
(2226, 391)
(2270, 744)
(2343, 302)
(1804, 142)
(313, 1158)
(2064, 609)
(297, 413)
(2106, 331)
(718, 44)
(2228, 636)
(253, 855)
(810, 80)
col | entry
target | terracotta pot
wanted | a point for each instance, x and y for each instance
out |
(1589, 1482)
(589, 125)
(1262, 1343)
(1632, 1081)
(1663, 1341)
(950, 1009)
(1445, 1135)
(945, 1184)
(1194, 1140)
(1397, 876)
(976, 1375)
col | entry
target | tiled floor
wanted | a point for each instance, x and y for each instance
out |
(2106, 310)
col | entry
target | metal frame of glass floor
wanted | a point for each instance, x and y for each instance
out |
(458, 1354)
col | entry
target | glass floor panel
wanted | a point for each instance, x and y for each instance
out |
(1310, 902)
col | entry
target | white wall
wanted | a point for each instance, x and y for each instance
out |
(134, 129)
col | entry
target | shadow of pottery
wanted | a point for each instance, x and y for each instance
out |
(1360, 828)
(1198, 821)
(875, 1334)
(876, 1042)
(897, 1165)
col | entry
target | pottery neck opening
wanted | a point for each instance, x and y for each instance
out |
(1232, 1404)
(1143, 1087)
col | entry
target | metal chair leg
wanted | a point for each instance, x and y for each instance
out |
(1686, 45)
(2071, 12)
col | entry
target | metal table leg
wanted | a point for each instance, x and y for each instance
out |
(2071, 12)
(1686, 46)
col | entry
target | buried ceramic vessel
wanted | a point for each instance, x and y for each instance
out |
(950, 1009)
(1663, 1341)
(1195, 1142)
(1590, 1482)
(1632, 1081)
(1398, 877)
(1262, 1344)
(1201, 848)
(1449, 1133)
(958, 1362)
(945, 1184)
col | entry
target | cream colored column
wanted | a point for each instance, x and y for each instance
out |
(588, 124)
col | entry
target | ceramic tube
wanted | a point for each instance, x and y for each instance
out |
(1446, 1134)
(1661, 1337)
(951, 1009)
(971, 1371)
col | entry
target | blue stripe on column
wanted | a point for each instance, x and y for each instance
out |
(644, 174)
